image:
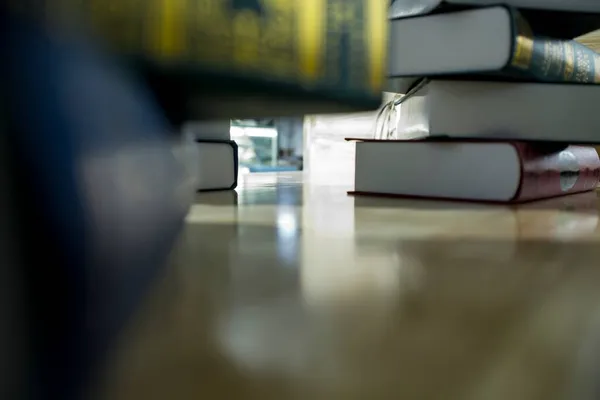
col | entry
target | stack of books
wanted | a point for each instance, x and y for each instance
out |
(490, 110)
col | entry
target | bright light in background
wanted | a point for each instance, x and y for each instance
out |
(257, 146)
(240, 131)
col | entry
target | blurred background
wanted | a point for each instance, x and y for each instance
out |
(269, 144)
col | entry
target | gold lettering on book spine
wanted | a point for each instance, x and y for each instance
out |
(547, 60)
(569, 53)
(596, 61)
(523, 52)
(523, 44)
(583, 66)
(553, 57)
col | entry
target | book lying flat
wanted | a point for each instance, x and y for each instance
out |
(502, 110)
(404, 8)
(562, 19)
(507, 172)
(217, 165)
(496, 41)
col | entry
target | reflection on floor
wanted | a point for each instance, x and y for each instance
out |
(287, 290)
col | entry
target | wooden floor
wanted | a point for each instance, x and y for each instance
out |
(286, 290)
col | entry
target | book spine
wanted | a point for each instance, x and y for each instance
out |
(552, 60)
(329, 46)
(554, 173)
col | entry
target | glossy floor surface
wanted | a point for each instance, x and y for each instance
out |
(292, 290)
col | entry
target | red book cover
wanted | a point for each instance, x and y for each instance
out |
(548, 174)
(547, 170)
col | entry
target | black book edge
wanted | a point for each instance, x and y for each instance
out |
(544, 145)
(557, 24)
(441, 8)
(236, 162)
(496, 76)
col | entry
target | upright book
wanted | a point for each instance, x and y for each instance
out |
(496, 42)
(508, 172)
(501, 110)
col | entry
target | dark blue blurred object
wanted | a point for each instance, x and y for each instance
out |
(101, 197)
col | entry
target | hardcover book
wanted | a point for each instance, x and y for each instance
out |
(488, 43)
(508, 172)
(554, 18)
(500, 110)
(210, 59)
(414, 7)
(217, 165)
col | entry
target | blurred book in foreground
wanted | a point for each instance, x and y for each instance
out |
(245, 58)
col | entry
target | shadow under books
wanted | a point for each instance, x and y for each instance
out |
(585, 203)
